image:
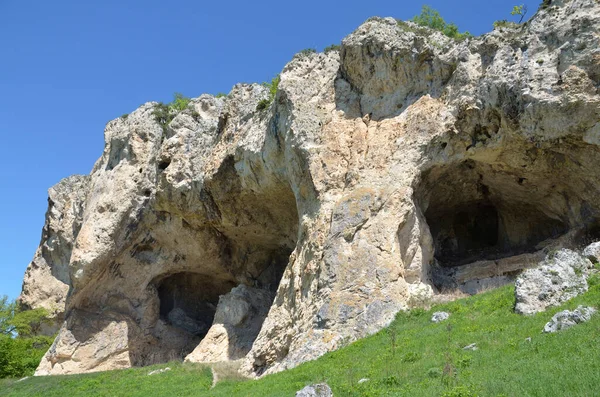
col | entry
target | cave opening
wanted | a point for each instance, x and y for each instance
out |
(223, 274)
(188, 300)
(478, 212)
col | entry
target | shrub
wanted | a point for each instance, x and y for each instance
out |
(179, 102)
(306, 51)
(505, 24)
(21, 349)
(165, 113)
(332, 47)
(220, 95)
(432, 19)
(272, 86)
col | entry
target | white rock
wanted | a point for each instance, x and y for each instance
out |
(438, 317)
(566, 319)
(318, 390)
(560, 277)
(159, 371)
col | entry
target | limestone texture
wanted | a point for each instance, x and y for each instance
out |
(401, 166)
(562, 276)
(318, 390)
(438, 317)
(567, 319)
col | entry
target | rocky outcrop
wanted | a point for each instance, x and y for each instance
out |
(238, 319)
(47, 278)
(560, 277)
(567, 319)
(403, 165)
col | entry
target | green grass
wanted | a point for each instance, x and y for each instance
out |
(181, 380)
(413, 357)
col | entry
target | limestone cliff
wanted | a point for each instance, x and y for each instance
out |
(403, 165)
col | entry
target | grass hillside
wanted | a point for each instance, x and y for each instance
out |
(413, 357)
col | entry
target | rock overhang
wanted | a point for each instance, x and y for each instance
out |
(339, 201)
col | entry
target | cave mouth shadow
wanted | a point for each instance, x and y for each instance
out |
(189, 301)
(254, 239)
(479, 212)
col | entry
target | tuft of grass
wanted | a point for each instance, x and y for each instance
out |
(412, 357)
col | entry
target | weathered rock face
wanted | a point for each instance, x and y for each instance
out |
(47, 279)
(559, 278)
(405, 164)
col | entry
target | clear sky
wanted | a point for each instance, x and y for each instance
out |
(67, 67)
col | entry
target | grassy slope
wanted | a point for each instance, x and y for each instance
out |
(414, 357)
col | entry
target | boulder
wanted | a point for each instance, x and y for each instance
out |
(566, 318)
(317, 390)
(560, 277)
(438, 317)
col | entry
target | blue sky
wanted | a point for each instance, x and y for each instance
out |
(68, 67)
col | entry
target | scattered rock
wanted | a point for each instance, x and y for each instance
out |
(318, 390)
(560, 277)
(592, 252)
(363, 380)
(438, 317)
(159, 371)
(22, 379)
(567, 319)
(528, 339)
(472, 346)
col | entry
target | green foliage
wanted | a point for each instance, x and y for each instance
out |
(20, 357)
(593, 280)
(306, 51)
(124, 116)
(432, 19)
(165, 113)
(220, 95)
(520, 10)
(332, 47)
(273, 87)
(21, 349)
(514, 359)
(179, 102)
(181, 380)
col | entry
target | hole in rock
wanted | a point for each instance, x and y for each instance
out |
(477, 212)
(233, 276)
(188, 301)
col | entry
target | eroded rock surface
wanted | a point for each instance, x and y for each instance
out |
(562, 276)
(567, 318)
(400, 166)
(47, 278)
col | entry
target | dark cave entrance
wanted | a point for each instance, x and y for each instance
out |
(231, 279)
(476, 212)
(189, 301)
